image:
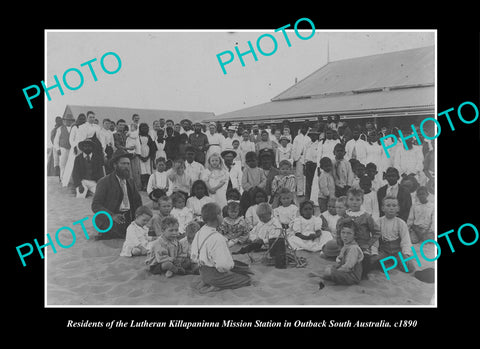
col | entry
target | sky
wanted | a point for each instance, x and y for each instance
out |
(179, 70)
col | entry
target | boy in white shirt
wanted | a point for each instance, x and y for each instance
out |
(209, 249)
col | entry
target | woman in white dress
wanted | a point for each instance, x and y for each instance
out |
(133, 146)
(374, 150)
(147, 153)
(215, 140)
(216, 178)
(74, 151)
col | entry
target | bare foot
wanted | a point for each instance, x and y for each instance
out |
(326, 277)
(208, 288)
(313, 275)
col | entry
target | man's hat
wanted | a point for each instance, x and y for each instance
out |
(120, 153)
(82, 144)
(229, 151)
(331, 249)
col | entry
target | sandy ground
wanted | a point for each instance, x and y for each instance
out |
(93, 273)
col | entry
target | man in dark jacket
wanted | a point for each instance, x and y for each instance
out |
(116, 194)
(393, 188)
(87, 169)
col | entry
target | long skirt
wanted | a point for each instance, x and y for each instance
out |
(211, 276)
(50, 163)
(136, 173)
(315, 188)
(146, 167)
(310, 245)
(299, 176)
(67, 172)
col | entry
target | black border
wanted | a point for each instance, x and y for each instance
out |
(458, 81)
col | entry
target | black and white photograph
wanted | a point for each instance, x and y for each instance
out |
(252, 168)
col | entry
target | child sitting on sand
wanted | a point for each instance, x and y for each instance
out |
(308, 230)
(178, 178)
(285, 179)
(165, 253)
(368, 231)
(332, 248)
(209, 249)
(251, 217)
(158, 179)
(394, 235)
(287, 211)
(137, 239)
(267, 233)
(233, 194)
(331, 217)
(182, 213)
(164, 209)
(421, 218)
(234, 227)
(348, 270)
(198, 198)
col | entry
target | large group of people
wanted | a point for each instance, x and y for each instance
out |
(324, 187)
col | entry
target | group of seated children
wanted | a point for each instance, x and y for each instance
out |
(344, 230)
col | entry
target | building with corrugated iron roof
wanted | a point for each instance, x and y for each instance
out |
(393, 89)
(146, 115)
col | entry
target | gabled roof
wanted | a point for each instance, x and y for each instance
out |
(146, 115)
(414, 67)
(353, 105)
(395, 83)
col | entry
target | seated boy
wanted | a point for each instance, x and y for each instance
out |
(420, 220)
(137, 241)
(394, 235)
(348, 270)
(165, 253)
(164, 208)
(267, 233)
(210, 251)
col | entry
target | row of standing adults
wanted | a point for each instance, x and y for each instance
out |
(169, 139)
